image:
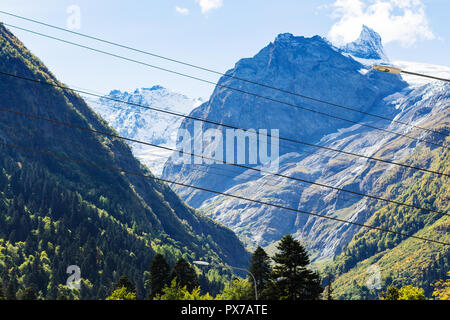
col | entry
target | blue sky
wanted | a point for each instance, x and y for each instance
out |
(217, 33)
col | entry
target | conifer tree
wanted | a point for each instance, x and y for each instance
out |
(159, 275)
(293, 280)
(29, 294)
(260, 268)
(124, 282)
(185, 275)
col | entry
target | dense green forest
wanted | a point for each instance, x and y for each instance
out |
(55, 213)
(285, 276)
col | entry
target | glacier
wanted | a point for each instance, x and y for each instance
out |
(137, 123)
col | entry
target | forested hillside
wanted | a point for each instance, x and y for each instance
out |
(55, 212)
(402, 261)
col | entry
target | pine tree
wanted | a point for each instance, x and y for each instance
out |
(124, 282)
(159, 275)
(329, 292)
(392, 293)
(260, 268)
(185, 275)
(2, 292)
(293, 280)
(10, 292)
(29, 294)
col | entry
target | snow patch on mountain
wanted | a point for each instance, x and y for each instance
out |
(422, 68)
(143, 124)
(367, 46)
(368, 50)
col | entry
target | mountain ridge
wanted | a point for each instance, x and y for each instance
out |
(367, 46)
(313, 67)
(136, 123)
(58, 213)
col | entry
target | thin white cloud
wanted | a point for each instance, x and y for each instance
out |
(404, 21)
(183, 11)
(208, 5)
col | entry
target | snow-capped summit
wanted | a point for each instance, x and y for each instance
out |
(284, 37)
(154, 88)
(367, 46)
(142, 124)
(309, 66)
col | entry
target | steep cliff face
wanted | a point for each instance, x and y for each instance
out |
(367, 46)
(308, 66)
(315, 68)
(264, 225)
(55, 212)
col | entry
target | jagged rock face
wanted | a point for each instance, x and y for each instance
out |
(367, 46)
(146, 125)
(308, 66)
(315, 68)
(262, 225)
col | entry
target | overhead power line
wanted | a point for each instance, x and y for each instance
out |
(211, 170)
(112, 135)
(228, 87)
(393, 70)
(216, 171)
(178, 61)
(172, 113)
(150, 176)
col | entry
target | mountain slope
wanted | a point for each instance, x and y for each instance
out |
(315, 68)
(263, 225)
(58, 213)
(401, 261)
(310, 66)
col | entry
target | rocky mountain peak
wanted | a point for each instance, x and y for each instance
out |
(368, 46)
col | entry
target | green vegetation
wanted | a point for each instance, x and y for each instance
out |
(237, 289)
(406, 293)
(184, 275)
(175, 292)
(289, 279)
(55, 213)
(401, 261)
(159, 275)
(442, 289)
(261, 269)
(122, 294)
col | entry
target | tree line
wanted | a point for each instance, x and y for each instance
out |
(285, 276)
